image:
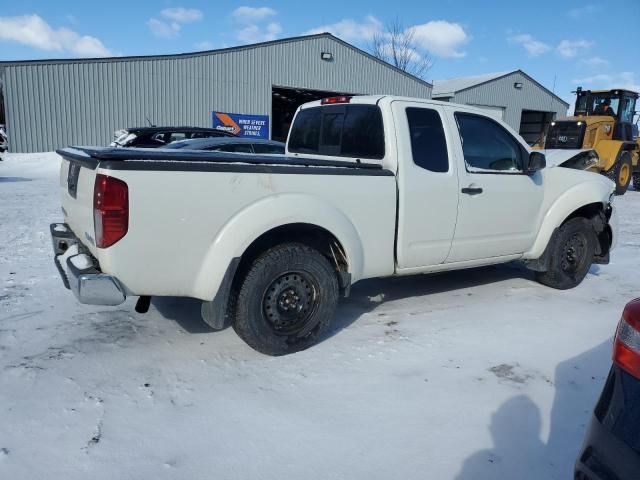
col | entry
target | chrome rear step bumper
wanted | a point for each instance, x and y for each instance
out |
(80, 271)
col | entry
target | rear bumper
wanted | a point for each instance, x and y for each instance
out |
(80, 271)
(605, 457)
(610, 449)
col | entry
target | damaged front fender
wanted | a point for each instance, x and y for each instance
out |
(582, 159)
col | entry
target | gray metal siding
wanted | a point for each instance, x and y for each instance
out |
(501, 93)
(52, 105)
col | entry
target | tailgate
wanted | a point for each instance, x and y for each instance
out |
(77, 177)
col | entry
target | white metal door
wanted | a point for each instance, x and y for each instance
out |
(428, 196)
(499, 207)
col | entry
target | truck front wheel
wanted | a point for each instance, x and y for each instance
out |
(571, 255)
(636, 181)
(286, 300)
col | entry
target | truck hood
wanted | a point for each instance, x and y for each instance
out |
(556, 157)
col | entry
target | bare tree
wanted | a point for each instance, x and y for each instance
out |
(397, 45)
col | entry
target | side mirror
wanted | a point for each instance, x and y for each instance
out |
(537, 161)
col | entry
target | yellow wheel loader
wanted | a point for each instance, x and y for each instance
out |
(603, 121)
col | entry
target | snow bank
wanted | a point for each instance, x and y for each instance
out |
(35, 165)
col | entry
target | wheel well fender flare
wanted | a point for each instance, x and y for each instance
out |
(266, 214)
(579, 198)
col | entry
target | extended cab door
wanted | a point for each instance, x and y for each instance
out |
(499, 209)
(427, 185)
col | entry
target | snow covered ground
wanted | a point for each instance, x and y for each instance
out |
(481, 374)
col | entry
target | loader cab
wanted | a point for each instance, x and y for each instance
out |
(619, 104)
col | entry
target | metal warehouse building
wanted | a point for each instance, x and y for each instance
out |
(518, 99)
(50, 104)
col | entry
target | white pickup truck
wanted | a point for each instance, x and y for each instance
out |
(371, 186)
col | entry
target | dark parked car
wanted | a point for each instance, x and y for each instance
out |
(611, 450)
(156, 137)
(237, 144)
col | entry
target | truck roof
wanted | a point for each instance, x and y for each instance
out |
(376, 99)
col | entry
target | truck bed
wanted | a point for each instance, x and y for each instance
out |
(191, 211)
(179, 159)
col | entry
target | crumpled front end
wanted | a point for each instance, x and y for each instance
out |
(578, 159)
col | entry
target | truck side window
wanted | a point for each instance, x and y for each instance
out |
(486, 145)
(428, 143)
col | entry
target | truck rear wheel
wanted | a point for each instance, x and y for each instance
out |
(286, 300)
(571, 255)
(620, 174)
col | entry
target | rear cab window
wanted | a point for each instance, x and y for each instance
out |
(351, 130)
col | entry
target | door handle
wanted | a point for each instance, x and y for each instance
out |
(472, 190)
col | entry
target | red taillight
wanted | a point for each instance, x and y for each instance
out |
(338, 99)
(110, 210)
(626, 346)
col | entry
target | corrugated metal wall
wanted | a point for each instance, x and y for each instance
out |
(52, 105)
(501, 93)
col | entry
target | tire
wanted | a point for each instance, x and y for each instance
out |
(287, 300)
(636, 181)
(571, 255)
(620, 174)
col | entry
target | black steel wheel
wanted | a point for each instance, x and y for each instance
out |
(571, 252)
(289, 303)
(573, 255)
(286, 300)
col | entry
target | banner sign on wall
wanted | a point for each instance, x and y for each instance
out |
(253, 126)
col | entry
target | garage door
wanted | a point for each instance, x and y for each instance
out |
(534, 125)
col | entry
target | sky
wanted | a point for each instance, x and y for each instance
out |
(562, 44)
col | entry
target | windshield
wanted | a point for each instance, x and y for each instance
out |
(604, 103)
